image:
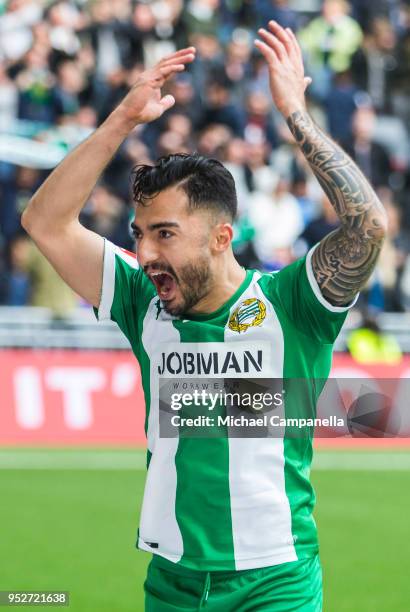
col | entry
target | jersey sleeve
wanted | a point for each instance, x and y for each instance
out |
(125, 290)
(298, 292)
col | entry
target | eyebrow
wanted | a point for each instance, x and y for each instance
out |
(155, 226)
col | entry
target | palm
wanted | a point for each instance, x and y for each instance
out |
(153, 109)
(286, 72)
(144, 101)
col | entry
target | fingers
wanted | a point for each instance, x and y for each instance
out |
(281, 42)
(167, 102)
(295, 44)
(179, 52)
(307, 81)
(281, 35)
(294, 40)
(171, 64)
(267, 52)
(167, 71)
(182, 59)
(179, 57)
(273, 43)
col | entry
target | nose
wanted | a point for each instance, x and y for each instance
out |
(147, 252)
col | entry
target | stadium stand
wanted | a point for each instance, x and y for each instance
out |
(65, 64)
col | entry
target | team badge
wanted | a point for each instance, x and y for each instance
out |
(249, 313)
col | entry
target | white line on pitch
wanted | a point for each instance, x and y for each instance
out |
(366, 461)
(72, 460)
(136, 460)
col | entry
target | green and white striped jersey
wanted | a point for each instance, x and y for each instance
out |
(226, 503)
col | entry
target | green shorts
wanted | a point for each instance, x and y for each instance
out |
(289, 587)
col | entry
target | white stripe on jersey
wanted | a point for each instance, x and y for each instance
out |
(108, 281)
(260, 510)
(158, 521)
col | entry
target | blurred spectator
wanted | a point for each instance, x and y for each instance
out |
(8, 97)
(258, 120)
(383, 289)
(371, 157)
(36, 84)
(15, 27)
(219, 107)
(259, 79)
(180, 124)
(340, 105)
(401, 94)
(327, 222)
(329, 42)
(278, 222)
(234, 157)
(309, 207)
(106, 215)
(114, 44)
(209, 59)
(366, 10)
(374, 65)
(31, 280)
(15, 286)
(201, 16)
(65, 64)
(213, 139)
(237, 66)
(47, 288)
(262, 176)
(234, 13)
(169, 142)
(278, 10)
(114, 40)
(70, 84)
(64, 20)
(186, 99)
(177, 136)
(16, 188)
(369, 344)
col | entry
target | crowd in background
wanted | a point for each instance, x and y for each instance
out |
(65, 65)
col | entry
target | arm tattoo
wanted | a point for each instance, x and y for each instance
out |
(345, 258)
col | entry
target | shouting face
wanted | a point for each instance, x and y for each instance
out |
(174, 248)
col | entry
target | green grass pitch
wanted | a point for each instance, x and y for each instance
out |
(63, 527)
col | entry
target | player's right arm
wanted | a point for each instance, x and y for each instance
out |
(52, 215)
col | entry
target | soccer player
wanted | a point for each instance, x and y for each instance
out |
(229, 519)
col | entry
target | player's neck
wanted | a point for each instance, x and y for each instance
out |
(227, 279)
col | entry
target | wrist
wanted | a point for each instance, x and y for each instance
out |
(120, 122)
(292, 108)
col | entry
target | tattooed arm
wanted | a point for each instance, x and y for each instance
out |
(345, 258)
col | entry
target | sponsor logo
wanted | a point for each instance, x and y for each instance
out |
(249, 313)
(210, 362)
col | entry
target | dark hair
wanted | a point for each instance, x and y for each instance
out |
(206, 182)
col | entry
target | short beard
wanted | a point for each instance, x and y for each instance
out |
(194, 283)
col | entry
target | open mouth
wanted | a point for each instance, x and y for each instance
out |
(165, 285)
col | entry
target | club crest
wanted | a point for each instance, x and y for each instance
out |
(249, 313)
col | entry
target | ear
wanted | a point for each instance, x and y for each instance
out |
(222, 237)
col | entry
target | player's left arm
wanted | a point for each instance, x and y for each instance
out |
(344, 259)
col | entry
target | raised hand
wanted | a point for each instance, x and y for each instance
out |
(286, 71)
(144, 101)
